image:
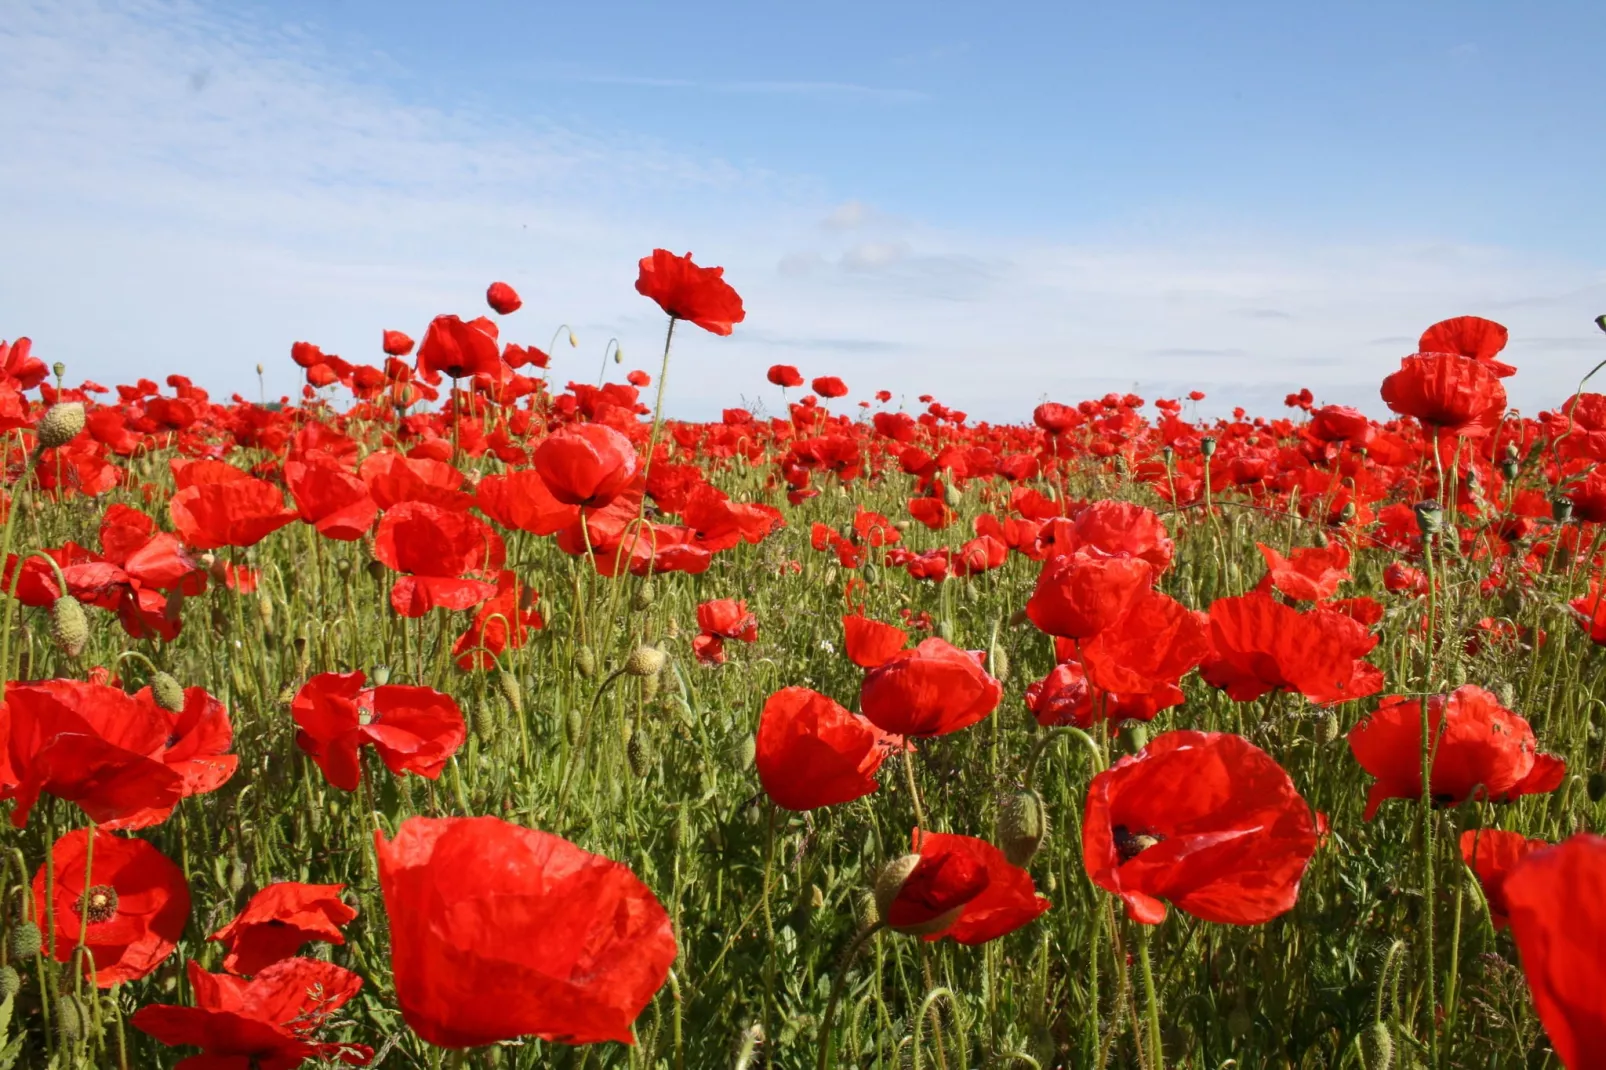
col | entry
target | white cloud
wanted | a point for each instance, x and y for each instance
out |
(192, 191)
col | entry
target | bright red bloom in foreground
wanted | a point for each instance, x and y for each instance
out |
(572, 945)
(932, 690)
(267, 1023)
(689, 292)
(434, 548)
(1007, 902)
(586, 464)
(1079, 595)
(233, 512)
(135, 898)
(1260, 645)
(457, 349)
(1557, 900)
(414, 729)
(1310, 574)
(812, 752)
(1206, 820)
(784, 375)
(1450, 394)
(330, 496)
(503, 298)
(1491, 854)
(279, 920)
(1469, 336)
(870, 643)
(1481, 748)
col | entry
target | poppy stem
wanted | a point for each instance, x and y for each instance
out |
(914, 789)
(1151, 998)
(769, 919)
(838, 983)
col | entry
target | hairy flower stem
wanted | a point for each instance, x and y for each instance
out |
(1425, 806)
(914, 789)
(837, 985)
(1151, 998)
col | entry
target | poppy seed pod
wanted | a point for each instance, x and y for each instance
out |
(168, 692)
(60, 424)
(1207, 446)
(1429, 517)
(1600, 321)
(645, 596)
(1022, 824)
(890, 881)
(58, 369)
(1561, 509)
(380, 675)
(69, 627)
(646, 660)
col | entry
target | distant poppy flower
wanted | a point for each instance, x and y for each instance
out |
(721, 619)
(1469, 336)
(829, 386)
(1008, 902)
(1590, 611)
(1449, 394)
(1311, 574)
(1078, 595)
(279, 920)
(870, 643)
(811, 752)
(573, 945)
(1558, 919)
(435, 548)
(397, 344)
(134, 898)
(503, 621)
(1196, 395)
(414, 729)
(1481, 749)
(330, 496)
(1491, 854)
(688, 292)
(1055, 418)
(1204, 820)
(270, 1022)
(639, 378)
(503, 299)
(784, 375)
(457, 349)
(1400, 578)
(1063, 697)
(586, 464)
(238, 512)
(932, 690)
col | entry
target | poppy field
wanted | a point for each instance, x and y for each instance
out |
(469, 710)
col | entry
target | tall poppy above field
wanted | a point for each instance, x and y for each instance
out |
(688, 292)
(932, 690)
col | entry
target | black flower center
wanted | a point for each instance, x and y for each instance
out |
(1129, 844)
(98, 904)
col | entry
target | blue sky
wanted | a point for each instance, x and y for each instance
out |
(990, 203)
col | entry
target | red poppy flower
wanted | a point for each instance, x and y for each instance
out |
(934, 513)
(718, 620)
(1491, 854)
(829, 386)
(414, 729)
(135, 899)
(1055, 418)
(1121, 529)
(689, 292)
(811, 752)
(586, 464)
(197, 748)
(784, 375)
(1469, 336)
(458, 350)
(870, 643)
(1146, 652)
(639, 379)
(1063, 697)
(393, 479)
(502, 621)
(1590, 611)
(1481, 749)
(932, 690)
(1312, 574)
(330, 496)
(267, 1023)
(1257, 645)
(1450, 394)
(397, 344)
(1205, 820)
(279, 920)
(236, 512)
(925, 893)
(1079, 595)
(434, 548)
(503, 299)
(573, 945)
(1557, 902)
(1398, 578)
(1008, 902)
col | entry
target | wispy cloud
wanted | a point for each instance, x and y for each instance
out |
(781, 88)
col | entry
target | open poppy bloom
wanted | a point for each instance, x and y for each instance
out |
(784, 375)
(1491, 854)
(1481, 750)
(1257, 645)
(1448, 393)
(330, 496)
(924, 893)
(688, 292)
(135, 900)
(1146, 653)
(719, 620)
(414, 729)
(1204, 820)
(586, 464)
(238, 511)
(572, 945)
(397, 344)
(932, 690)
(870, 643)
(1008, 902)
(1311, 574)
(1557, 901)
(1063, 697)
(279, 920)
(503, 298)
(1079, 595)
(811, 752)
(457, 349)
(268, 1023)
(435, 548)
(829, 386)
(502, 621)
(1469, 336)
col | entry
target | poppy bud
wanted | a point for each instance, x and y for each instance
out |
(168, 692)
(1596, 787)
(573, 726)
(376, 570)
(1166, 451)
(646, 661)
(1600, 321)
(872, 574)
(745, 752)
(618, 355)
(69, 1018)
(265, 613)
(945, 630)
(68, 626)
(25, 940)
(1346, 514)
(1022, 824)
(1561, 509)
(1327, 729)
(486, 721)
(866, 912)
(649, 687)
(1509, 469)
(998, 663)
(10, 982)
(644, 596)
(508, 684)
(60, 424)
(951, 494)
(901, 525)
(1378, 1047)
(889, 882)
(1207, 446)
(585, 662)
(1239, 1020)
(1321, 538)
(380, 675)
(638, 752)
(1429, 518)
